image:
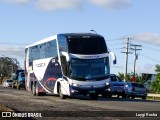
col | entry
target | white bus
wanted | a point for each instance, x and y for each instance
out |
(68, 64)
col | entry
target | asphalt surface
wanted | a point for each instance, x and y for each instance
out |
(79, 107)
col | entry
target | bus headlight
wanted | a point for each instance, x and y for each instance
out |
(75, 85)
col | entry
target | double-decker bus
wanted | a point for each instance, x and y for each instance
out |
(68, 64)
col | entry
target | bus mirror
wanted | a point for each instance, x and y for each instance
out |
(66, 55)
(113, 57)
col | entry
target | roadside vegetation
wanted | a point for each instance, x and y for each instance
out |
(7, 67)
(155, 85)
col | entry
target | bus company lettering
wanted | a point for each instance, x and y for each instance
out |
(90, 56)
(40, 64)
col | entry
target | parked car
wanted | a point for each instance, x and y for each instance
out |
(133, 89)
(7, 83)
(117, 87)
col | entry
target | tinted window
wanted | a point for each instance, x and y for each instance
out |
(137, 85)
(90, 45)
(113, 78)
(9, 80)
(44, 50)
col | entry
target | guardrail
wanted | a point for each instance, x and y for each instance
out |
(154, 96)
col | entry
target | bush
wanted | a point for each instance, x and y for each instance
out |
(155, 85)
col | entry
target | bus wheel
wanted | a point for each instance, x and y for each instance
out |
(33, 90)
(36, 91)
(60, 93)
(93, 96)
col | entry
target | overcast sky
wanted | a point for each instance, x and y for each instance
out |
(23, 22)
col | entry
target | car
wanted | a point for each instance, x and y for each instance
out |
(133, 89)
(116, 87)
(7, 83)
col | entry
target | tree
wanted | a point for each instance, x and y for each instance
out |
(155, 85)
(121, 76)
(8, 66)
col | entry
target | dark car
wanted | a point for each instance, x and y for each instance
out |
(133, 89)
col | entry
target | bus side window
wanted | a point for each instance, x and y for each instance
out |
(30, 56)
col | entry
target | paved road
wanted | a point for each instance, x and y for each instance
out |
(22, 100)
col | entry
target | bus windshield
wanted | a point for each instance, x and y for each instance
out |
(89, 69)
(87, 46)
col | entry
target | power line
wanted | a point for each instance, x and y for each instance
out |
(114, 39)
(158, 51)
(116, 48)
(115, 44)
(149, 58)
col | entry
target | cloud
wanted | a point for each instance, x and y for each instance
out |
(148, 37)
(112, 4)
(147, 68)
(10, 50)
(16, 1)
(51, 5)
(58, 4)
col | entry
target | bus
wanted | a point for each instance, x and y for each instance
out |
(68, 64)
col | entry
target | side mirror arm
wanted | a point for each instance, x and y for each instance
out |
(113, 57)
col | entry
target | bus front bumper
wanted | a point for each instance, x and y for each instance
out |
(88, 89)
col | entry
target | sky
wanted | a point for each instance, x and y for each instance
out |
(23, 22)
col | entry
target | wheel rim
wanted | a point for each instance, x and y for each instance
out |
(60, 92)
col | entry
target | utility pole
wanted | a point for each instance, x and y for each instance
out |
(126, 58)
(136, 57)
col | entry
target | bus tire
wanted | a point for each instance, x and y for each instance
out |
(33, 89)
(94, 96)
(60, 93)
(36, 90)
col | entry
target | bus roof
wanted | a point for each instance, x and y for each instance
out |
(68, 35)
(42, 41)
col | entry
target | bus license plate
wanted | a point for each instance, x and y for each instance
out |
(92, 91)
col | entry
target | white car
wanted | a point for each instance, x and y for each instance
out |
(7, 83)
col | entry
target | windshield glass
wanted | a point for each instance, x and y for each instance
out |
(86, 46)
(89, 69)
(9, 80)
